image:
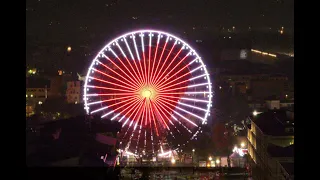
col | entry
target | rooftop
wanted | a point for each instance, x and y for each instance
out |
(34, 82)
(274, 123)
(277, 151)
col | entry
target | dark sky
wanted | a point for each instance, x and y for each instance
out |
(58, 23)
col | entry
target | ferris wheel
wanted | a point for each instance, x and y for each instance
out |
(155, 84)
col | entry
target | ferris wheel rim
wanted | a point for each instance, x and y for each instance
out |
(142, 31)
(209, 99)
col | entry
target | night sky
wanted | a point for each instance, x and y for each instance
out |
(86, 25)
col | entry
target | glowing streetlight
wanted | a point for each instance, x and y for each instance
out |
(40, 102)
(26, 95)
(31, 95)
(193, 150)
(255, 113)
(217, 161)
(286, 95)
(173, 161)
(210, 158)
(242, 144)
(69, 49)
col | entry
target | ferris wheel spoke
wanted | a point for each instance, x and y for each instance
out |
(132, 104)
(155, 56)
(165, 82)
(135, 111)
(154, 119)
(185, 87)
(136, 76)
(202, 119)
(171, 114)
(133, 59)
(108, 100)
(149, 61)
(187, 99)
(157, 75)
(110, 69)
(184, 104)
(95, 70)
(190, 92)
(168, 66)
(169, 85)
(132, 81)
(181, 125)
(105, 107)
(172, 69)
(158, 113)
(108, 88)
(131, 101)
(179, 114)
(144, 58)
(160, 107)
(137, 52)
(116, 56)
(108, 82)
(163, 49)
(168, 119)
(127, 110)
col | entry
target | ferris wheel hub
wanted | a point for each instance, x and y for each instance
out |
(146, 93)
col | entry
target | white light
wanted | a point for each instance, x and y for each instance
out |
(193, 150)
(242, 144)
(217, 161)
(135, 47)
(255, 113)
(31, 95)
(100, 109)
(210, 158)
(128, 48)
(40, 102)
(173, 161)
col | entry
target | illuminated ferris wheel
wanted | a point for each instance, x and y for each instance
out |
(155, 84)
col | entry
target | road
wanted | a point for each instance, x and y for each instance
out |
(180, 173)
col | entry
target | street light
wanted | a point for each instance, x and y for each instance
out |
(173, 161)
(210, 158)
(193, 150)
(217, 161)
(255, 113)
(69, 49)
(242, 144)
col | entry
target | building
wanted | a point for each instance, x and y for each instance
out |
(269, 86)
(37, 91)
(271, 104)
(256, 86)
(73, 92)
(269, 133)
